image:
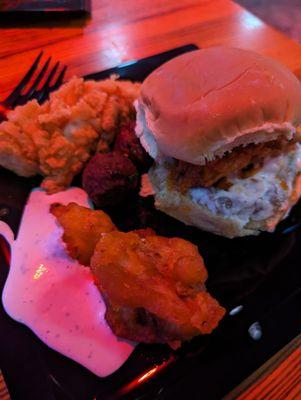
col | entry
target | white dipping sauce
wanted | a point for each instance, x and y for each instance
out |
(54, 295)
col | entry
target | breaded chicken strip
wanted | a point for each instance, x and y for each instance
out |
(82, 227)
(154, 288)
(57, 138)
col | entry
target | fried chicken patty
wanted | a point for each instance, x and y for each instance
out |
(242, 160)
(154, 288)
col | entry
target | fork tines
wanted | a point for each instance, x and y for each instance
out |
(44, 82)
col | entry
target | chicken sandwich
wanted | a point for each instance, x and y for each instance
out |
(222, 126)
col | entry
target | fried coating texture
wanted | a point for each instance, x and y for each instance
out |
(245, 161)
(154, 288)
(57, 138)
(82, 229)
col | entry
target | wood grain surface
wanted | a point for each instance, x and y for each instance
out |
(278, 379)
(4, 395)
(120, 30)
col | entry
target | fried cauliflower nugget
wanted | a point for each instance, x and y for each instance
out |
(57, 138)
(82, 229)
(154, 288)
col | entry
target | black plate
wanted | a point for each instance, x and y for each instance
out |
(260, 273)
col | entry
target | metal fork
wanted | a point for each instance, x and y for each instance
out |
(18, 97)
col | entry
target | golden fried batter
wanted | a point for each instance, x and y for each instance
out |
(154, 288)
(57, 138)
(82, 229)
(243, 160)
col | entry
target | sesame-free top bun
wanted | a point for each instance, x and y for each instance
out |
(205, 102)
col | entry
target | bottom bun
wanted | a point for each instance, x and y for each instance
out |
(184, 209)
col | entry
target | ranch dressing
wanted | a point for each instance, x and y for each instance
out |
(54, 295)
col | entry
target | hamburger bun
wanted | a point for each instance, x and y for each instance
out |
(181, 207)
(206, 102)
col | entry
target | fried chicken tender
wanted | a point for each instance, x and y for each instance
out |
(82, 227)
(57, 138)
(154, 288)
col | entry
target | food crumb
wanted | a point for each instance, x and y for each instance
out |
(255, 331)
(236, 310)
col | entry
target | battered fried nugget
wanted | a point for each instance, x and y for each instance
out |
(154, 288)
(82, 229)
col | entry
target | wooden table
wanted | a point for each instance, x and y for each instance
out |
(121, 30)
